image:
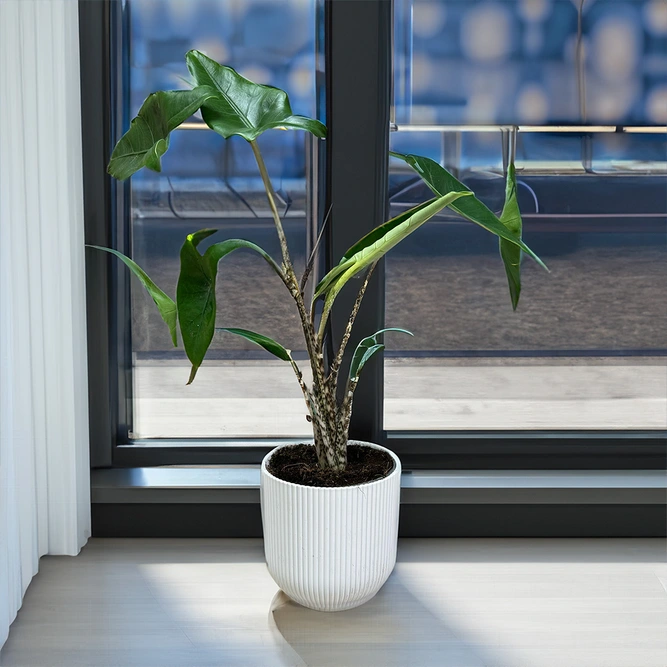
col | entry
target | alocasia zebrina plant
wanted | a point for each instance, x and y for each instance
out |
(231, 105)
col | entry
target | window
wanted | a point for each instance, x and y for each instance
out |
(574, 378)
(586, 348)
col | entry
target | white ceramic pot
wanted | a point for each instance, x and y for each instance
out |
(331, 549)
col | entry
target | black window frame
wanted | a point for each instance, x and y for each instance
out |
(358, 78)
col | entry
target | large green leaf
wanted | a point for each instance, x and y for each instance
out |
(510, 252)
(371, 237)
(195, 292)
(147, 140)
(165, 305)
(242, 107)
(267, 343)
(376, 244)
(366, 349)
(442, 182)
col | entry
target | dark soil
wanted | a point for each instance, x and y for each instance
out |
(298, 464)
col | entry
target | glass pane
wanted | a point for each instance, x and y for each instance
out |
(240, 391)
(586, 347)
(530, 61)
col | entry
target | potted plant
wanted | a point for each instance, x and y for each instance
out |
(329, 507)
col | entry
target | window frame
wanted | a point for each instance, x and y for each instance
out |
(358, 82)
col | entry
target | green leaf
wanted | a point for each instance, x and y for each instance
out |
(195, 291)
(198, 237)
(267, 343)
(471, 208)
(241, 107)
(371, 237)
(510, 252)
(217, 251)
(165, 305)
(147, 140)
(376, 244)
(366, 349)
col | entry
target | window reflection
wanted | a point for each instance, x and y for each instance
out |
(531, 61)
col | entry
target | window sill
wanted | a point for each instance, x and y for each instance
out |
(240, 484)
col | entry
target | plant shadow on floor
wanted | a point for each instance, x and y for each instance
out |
(394, 629)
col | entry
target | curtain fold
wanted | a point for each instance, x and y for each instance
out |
(44, 460)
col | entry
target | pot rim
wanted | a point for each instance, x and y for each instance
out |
(395, 471)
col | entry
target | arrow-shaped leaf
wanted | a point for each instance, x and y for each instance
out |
(195, 291)
(366, 349)
(441, 182)
(371, 237)
(242, 107)
(165, 305)
(267, 343)
(510, 252)
(376, 244)
(147, 140)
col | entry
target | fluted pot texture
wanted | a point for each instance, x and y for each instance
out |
(331, 549)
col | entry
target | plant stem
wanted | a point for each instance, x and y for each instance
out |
(272, 204)
(335, 366)
(311, 260)
(346, 408)
(302, 384)
(321, 402)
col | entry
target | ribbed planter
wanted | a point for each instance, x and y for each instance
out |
(331, 549)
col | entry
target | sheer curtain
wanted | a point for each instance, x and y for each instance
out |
(44, 468)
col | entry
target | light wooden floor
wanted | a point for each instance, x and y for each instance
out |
(449, 603)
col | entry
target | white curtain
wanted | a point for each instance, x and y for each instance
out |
(44, 465)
